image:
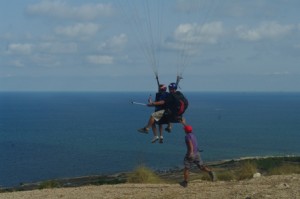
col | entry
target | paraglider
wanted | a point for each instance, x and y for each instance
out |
(147, 25)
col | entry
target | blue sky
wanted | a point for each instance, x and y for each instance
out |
(94, 45)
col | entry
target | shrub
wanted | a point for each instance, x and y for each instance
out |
(226, 175)
(268, 164)
(106, 180)
(285, 169)
(49, 184)
(246, 170)
(143, 174)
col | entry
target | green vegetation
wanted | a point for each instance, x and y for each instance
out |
(285, 169)
(106, 180)
(49, 184)
(245, 169)
(225, 175)
(225, 171)
(143, 174)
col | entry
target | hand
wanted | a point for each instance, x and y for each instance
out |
(191, 156)
(150, 104)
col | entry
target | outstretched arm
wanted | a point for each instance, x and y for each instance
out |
(158, 103)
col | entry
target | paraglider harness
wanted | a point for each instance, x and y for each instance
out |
(176, 106)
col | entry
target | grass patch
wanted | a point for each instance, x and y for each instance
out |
(49, 184)
(105, 180)
(285, 169)
(143, 174)
(246, 170)
(226, 175)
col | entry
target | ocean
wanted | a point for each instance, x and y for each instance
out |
(49, 135)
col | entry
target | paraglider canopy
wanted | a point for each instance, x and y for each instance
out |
(154, 35)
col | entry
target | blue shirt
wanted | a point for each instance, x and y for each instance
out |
(158, 97)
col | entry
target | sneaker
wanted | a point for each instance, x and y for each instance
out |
(212, 176)
(168, 129)
(143, 130)
(161, 139)
(155, 139)
(184, 184)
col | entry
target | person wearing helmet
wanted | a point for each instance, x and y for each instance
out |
(164, 116)
(192, 156)
(176, 105)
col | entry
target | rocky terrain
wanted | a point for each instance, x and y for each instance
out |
(277, 186)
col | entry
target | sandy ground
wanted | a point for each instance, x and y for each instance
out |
(284, 186)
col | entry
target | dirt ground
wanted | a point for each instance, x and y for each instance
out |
(281, 186)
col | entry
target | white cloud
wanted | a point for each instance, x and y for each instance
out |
(100, 59)
(194, 33)
(78, 30)
(17, 63)
(45, 60)
(114, 44)
(60, 9)
(57, 47)
(265, 30)
(18, 48)
(281, 73)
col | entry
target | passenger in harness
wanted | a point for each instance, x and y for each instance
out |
(162, 94)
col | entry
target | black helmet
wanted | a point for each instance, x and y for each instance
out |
(173, 86)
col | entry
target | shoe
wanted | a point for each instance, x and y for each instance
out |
(155, 139)
(212, 176)
(184, 184)
(143, 130)
(161, 139)
(168, 129)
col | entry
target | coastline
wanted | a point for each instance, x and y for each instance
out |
(174, 174)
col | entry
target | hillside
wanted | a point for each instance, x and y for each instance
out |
(277, 186)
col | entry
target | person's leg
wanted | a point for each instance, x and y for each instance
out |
(184, 183)
(209, 171)
(183, 122)
(145, 129)
(187, 164)
(160, 130)
(169, 127)
(204, 168)
(155, 137)
(156, 116)
(199, 162)
(161, 138)
(186, 174)
(150, 122)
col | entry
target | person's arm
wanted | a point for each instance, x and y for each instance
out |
(191, 149)
(161, 102)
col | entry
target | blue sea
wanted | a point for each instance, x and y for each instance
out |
(49, 135)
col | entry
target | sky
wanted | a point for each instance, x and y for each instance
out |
(118, 45)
